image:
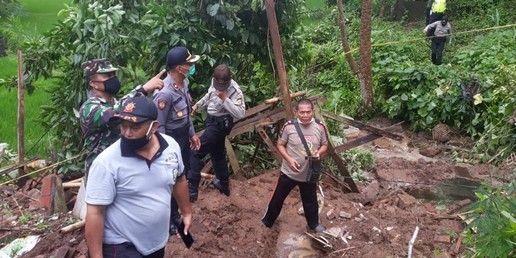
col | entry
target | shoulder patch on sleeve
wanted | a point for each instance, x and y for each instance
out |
(162, 104)
(239, 99)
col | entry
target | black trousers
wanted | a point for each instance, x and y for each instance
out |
(183, 140)
(213, 143)
(128, 250)
(437, 49)
(281, 191)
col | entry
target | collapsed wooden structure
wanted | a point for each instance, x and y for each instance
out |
(268, 113)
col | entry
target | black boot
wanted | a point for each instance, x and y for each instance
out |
(223, 186)
(193, 189)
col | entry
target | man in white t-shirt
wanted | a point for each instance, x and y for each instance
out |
(130, 185)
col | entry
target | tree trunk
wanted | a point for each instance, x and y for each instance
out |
(344, 38)
(366, 72)
(383, 5)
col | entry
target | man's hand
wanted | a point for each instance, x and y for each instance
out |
(155, 82)
(195, 143)
(194, 109)
(187, 220)
(222, 94)
(292, 163)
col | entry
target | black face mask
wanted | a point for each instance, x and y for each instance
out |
(136, 144)
(112, 85)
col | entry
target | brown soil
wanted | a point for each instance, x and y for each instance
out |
(406, 190)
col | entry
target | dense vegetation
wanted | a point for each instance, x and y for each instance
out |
(135, 35)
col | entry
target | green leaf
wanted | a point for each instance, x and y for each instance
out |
(213, 9)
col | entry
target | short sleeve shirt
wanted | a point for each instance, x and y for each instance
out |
(315, 134)
(137, 194)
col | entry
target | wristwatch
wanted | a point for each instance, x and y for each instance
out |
(141, 90)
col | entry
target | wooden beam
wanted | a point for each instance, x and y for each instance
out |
(342, 167)
(362, 126)
(270, 145)
(233, 161)
(278, 56)
(362, 140)
(207, 167)
(293, 95)
(335, 156)
(274, 116)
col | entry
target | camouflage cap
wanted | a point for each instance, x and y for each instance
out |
(102, 65)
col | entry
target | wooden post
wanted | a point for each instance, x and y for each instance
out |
(21, 146)
(278, 55)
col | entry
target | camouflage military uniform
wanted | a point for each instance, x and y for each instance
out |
(97, 132)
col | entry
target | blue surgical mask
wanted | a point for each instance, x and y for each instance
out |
(191, 71)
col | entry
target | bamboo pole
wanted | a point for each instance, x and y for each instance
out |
(72, 227)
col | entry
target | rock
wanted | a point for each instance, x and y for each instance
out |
(391, 234)
(462, 170)
(430, 151)
(334, 232)
(331, 215)
(430, 208)
(406, 200)
(371, 192)
(360, 218)
(61, 252)
(345, 215)
(382, 143)
(442, 239)
(351, 132)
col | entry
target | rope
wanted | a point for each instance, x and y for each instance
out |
(422, 38)
(39, 170)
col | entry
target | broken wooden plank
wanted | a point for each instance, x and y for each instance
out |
(233, 161)
(207, 167)
(270, 145)
(363, 140)
(362, 126)
(342, 167)
(335, 156)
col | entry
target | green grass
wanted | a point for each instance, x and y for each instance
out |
(36, 18)
(40, 16)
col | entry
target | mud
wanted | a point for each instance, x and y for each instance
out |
(405, 190)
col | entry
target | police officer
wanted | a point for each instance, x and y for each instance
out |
(441, 30)
(435, 10)
(174, 106)
(101, 105)
(224, 103)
